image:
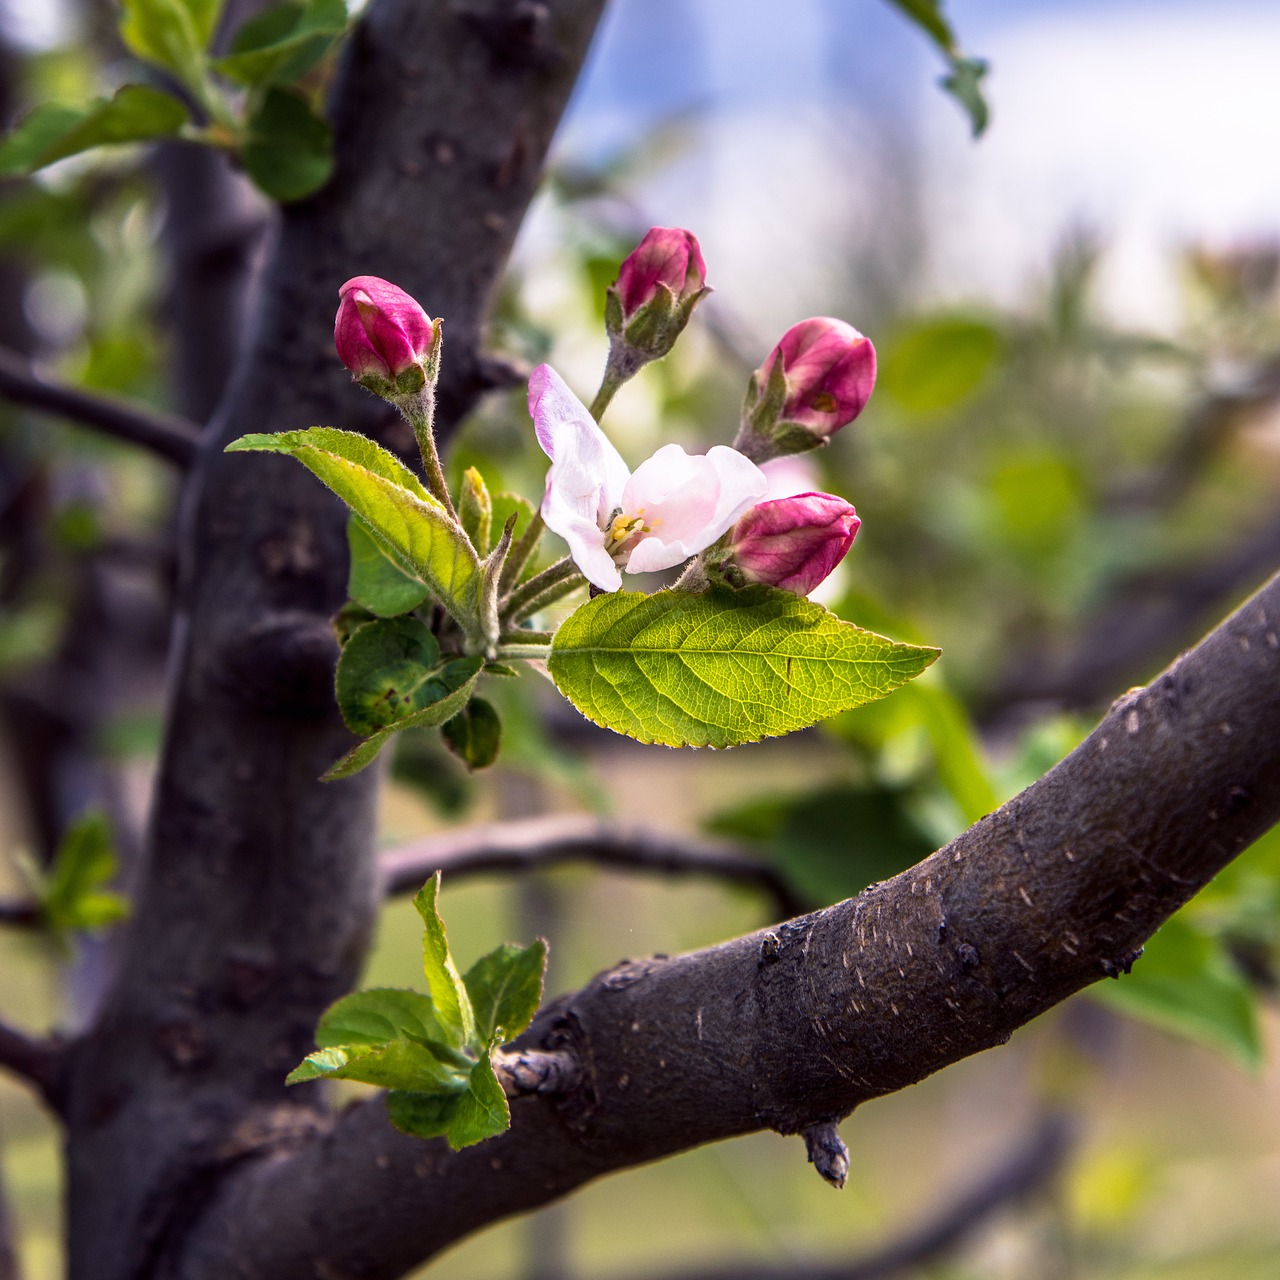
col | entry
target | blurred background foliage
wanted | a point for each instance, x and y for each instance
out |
(1060, 493)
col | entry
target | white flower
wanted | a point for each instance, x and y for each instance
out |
(668, 509)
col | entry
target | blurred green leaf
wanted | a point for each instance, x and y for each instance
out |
(377, 581)
(136, 113)
(964, 80)
(506, 989)
(171, 33)
(289, 152)
(1185, 982)
(937, 363)
(283, 42)
(72, 896)
(474, 735)
(1037, 499)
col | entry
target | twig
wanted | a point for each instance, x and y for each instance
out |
(39, 1062)
(530, 844)
(20, 913)
(171, 437)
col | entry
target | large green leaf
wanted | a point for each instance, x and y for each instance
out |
(136, 113)
(1185, 982)
(390, 499)
(289, 152)
(379, 1015)
(377, 581)
(505, 987)
(458, 677)
(464, 1117)
(448, 992)
(398, 1064)
(283, 42)
(720, 667)
(171, 33)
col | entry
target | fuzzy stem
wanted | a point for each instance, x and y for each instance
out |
(521, 552)
(523, 595)
(419, 412)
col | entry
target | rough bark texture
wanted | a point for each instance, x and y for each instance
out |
(803, 1022)
(259, 894)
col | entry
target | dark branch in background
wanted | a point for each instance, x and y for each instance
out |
(532, 844)
(19, 913)
(1028, 1168)
(9, 1269)
(38, 1062)
(171, 437)
(799, 1024)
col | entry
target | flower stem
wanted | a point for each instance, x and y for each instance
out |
(523, 652)
(529, 598)
(521, 552)
(419, 412)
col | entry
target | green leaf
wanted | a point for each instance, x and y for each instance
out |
(458, 676)
(283, 42)
(377, 581)
(422, 1115)
(72, 896)
(482, 1112)
(379, 1015)
(505, 987)
(963, 82)
(136, 113)
(474, 735)
(390, 499)
(448, 993)
(390, 669)
(171, 33)
(1185, 982)
(289, 152)
(720, 667)
(937, 363)
(398, 1064)
(475, 510)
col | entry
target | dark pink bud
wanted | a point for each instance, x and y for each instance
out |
(380, 331)
(830, 369)
(666, 256)
(794, 543)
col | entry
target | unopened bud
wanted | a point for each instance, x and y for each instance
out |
(391, 345)
(816, 380)
(792, 543)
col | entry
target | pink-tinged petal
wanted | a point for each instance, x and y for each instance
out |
(830, 369)
(667, 255)
(794, 543)
(568, 433)
(379, 329)
(789, 475)
(687, 502)
(586, 545)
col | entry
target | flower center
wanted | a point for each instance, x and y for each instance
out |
(620, 529)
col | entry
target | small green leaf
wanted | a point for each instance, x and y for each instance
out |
(505, 987)
(474, 735)
(72, 896)
(390, 499)
(283, 42)
(422, 1115)
(136, 113)
(475, 510)
(482, 1112)
(720, 667)
(963, 82)
(458, 676)
(1185, 982)
(377, 581)
(398, 1064)
(390, 669)
(289, 152)
(448, 994)
(171, 33)
(378, 1015)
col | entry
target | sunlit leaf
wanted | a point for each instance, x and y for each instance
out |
(377, 581)
(506, 988)
(448, 992)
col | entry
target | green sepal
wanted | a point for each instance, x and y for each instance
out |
(135, 113)
(289, 149)
(377, 582)
(720, 667)
(474, 735)
(505, 987)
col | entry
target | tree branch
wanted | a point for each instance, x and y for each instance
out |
(531, 844)
(19, 913)
(39, 1062)
(800, 1024)
(171, 437)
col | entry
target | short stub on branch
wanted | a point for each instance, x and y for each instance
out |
(827, 1152)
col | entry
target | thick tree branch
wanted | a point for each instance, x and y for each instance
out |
(531, 844)
(802, 1023)
(171, 437)
(39, 1062)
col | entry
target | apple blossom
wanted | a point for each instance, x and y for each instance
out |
(816, 380)
(793, 543)
(670, 508)
(385, 338)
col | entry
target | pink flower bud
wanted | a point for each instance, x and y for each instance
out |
(666, 256)
(830, 370)
(381, 333)
(793, 543)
